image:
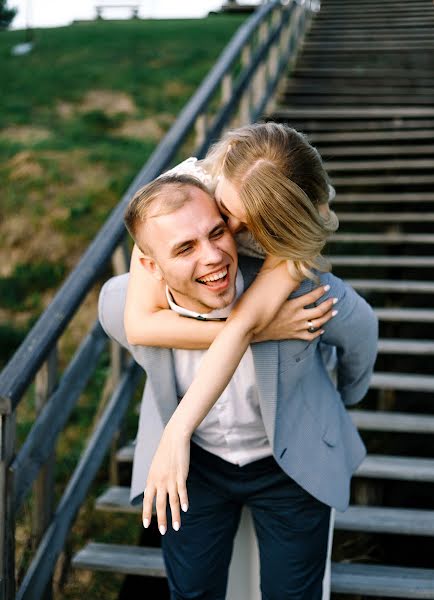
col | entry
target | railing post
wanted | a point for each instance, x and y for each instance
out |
(7, 508)
(200, 127)
(43, 505)
(273, 64)
(226, 89)
(246, 57)
(43, 488)
(261, 81)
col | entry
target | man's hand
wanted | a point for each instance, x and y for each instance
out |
(167, 477)
(293, 320)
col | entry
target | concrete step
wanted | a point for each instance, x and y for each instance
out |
(117, 498)
(382, 217)
(379, 581)
(379, 466)
(119, 558)
(380, 165)
(383, 238)
(354, 137)
(386, 285)
(402, 381)
(380, 180)
(381, 261)
(407, 347)
(373, 519)
(386, 198)
(392, 421)
(126, 453)
(398, 582)
(364, 73)
(342, 99)
(360, 112)
(405, 315)
(348, 150)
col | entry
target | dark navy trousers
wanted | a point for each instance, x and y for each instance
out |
(291, 526)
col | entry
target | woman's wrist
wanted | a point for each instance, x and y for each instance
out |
(180, 427)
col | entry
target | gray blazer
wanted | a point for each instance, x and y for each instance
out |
(312, 436)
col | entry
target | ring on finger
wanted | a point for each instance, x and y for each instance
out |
(310, 327)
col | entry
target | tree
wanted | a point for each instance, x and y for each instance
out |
(6, 14)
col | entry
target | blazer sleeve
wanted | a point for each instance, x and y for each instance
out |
(111, 306)
(354, 332)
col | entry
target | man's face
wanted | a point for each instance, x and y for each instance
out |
(194, 253)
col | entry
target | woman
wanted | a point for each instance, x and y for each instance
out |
(271, 186)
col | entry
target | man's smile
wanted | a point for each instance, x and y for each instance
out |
(216, 279)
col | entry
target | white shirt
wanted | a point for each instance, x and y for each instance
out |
(233, 429)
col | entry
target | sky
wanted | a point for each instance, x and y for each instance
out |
(49, 13)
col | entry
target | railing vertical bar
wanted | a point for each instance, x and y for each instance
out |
(43, 489)
(226, 89)
(45, 383)
(7, 508)
(245, 116)
(201, 127)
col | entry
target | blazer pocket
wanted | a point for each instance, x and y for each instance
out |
(300, 359)
(330, 435)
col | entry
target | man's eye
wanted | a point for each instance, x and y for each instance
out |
(218, 233)
(184, 250)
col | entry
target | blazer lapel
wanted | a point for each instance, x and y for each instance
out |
(265, 357)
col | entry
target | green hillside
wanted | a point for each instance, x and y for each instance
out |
(78, 117)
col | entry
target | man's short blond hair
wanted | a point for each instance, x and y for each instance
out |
(161, 196)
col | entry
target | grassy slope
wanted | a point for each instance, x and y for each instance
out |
(78, 117)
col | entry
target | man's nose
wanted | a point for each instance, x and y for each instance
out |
(211, 253)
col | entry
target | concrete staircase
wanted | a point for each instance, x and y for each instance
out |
(363, 92)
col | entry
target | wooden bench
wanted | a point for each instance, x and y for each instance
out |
(100, 8)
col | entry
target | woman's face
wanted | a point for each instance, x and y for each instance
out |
(230, 205)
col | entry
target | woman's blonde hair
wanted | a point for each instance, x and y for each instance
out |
(282, 184)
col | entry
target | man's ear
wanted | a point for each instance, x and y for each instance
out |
(151, 266)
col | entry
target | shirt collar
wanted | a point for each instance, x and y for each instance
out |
(220, 314)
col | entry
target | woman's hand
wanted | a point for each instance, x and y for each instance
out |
(167, 477)
(294, 319)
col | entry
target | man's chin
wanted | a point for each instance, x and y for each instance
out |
(218, 300)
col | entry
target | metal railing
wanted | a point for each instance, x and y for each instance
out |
(236, 91)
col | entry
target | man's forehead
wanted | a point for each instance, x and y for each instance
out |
(197, 217)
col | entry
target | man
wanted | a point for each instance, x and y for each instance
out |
(278, 440)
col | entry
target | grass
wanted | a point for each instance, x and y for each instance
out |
(79, 116)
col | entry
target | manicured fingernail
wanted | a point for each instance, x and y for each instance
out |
(162, 529)
(146, 523)
(326, 288)
(334, 313)
(176, 526)
(322, 331)
(335, 300)
(184, 507)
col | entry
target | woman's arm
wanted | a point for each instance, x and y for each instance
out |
(255, 309)
(149, 322)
